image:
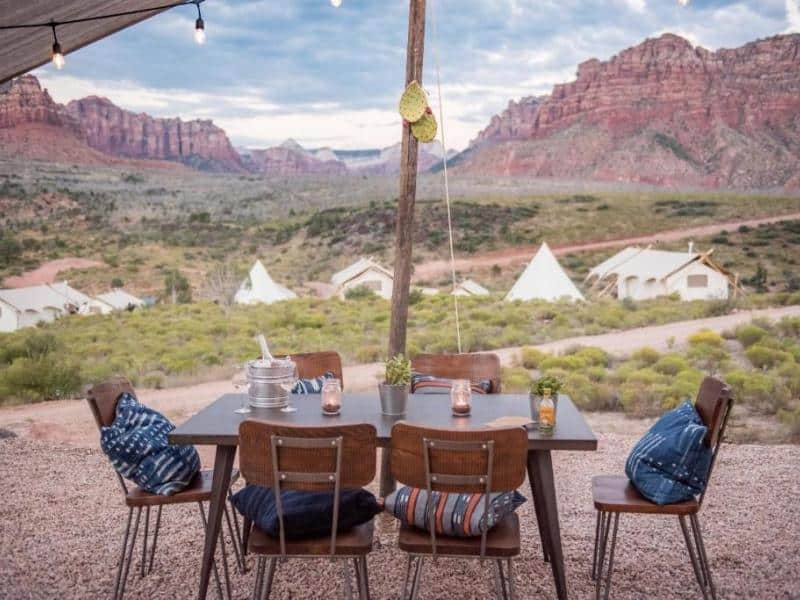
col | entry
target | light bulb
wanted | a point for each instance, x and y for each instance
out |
(58, 57)
(336, 3)
(684, 3)
(199, 31)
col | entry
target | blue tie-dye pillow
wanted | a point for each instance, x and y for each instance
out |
(670, 463)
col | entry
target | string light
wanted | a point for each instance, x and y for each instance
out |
(199, 28)
(57, 54)
(684, 3)
(336, 3)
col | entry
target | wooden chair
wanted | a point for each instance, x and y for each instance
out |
(460, 461)
(614, 494)
(472, 366)
(282, 457)
(314, 364)
(102, 399)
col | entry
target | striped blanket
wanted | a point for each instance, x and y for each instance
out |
(136, 443)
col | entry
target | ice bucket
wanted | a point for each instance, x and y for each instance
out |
(270, 381)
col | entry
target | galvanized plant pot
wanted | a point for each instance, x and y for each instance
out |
(394, 399)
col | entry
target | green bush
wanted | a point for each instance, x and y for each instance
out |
(532, 357)
(670, 364)
(592, 356)
(749, 334)
(763, 357)
(646, 356)
(706, 337)
(359, 292)
(44, 378)
(791, 418)
(567, 363)
(516, 380)
(757, 389)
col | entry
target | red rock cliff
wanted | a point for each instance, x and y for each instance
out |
(23, 101)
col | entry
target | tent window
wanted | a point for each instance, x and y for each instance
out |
(697, 281)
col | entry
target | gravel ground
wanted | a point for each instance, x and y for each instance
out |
(62, 518)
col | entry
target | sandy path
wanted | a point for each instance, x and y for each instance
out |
(48, 272)
(521, 254)
(69, 421)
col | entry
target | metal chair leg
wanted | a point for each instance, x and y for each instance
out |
(235, 541)
(417, 578)
(499, 584)
(155, 540)
(692, 557)
(599, 583)
(365, 577)
(122, 554)
(597, 532)
(512, 584)
(259, 577)
(273, 565)
(144, 543)
(701, 546)
(247, 526)
(129, 558)
(348, 584)
(406, 580)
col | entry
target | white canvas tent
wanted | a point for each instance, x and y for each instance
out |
(260, 288)
(117, 299)
(470, 287)
(24, 307)
(643, 273)
(544, 279)
(365, 272)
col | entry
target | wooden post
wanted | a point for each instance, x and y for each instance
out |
(408, 189)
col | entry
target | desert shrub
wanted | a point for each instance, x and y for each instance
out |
(45, 378)
(567, 363)
(757, 389)
(359, 292)
(596, 373)
(706, 337)
(516, 380)
(791, 419)
(369, 353)
(790, 327)
(670, 364)
(749, 334)
(591, 355)
(764, 357)
(646, 356)
(532, 357)
(710, 359)
(641, 399)
(154, 380)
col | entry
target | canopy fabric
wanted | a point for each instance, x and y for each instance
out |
(260, 288)
(544, 279)
(25, 49)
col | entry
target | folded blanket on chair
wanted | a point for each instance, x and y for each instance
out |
(136, 443)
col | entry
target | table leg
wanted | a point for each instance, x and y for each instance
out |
(223, 463)
(540, 465)
(387, 481)
(540, 520)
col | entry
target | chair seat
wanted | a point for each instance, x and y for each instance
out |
(502, 541)
(199, 490)
(356, 542)
(615, 493)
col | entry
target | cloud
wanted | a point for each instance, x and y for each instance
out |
(793, 16)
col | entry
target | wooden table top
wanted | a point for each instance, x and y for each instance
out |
(218, 424)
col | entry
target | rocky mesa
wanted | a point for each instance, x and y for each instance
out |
(663, 112)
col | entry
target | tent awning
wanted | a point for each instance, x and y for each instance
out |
(26, 49)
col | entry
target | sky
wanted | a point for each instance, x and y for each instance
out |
(277, 69)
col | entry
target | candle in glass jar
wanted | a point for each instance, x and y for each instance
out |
(331, 397)
(460, 398)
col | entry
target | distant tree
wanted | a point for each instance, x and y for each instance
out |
(10, 248)
(759, 279)
(177, 288)
(222, 284)
(117, 283)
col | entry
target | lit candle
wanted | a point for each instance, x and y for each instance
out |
(460, 398)
(331, 397)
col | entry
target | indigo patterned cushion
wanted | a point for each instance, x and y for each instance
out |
(422, 383)
(312, 386)
(136, 443)
(305, 514)
(462, 515)
(670, 463)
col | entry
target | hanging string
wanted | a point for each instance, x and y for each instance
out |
(435, 36)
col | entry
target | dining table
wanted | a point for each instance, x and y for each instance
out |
(218, 425)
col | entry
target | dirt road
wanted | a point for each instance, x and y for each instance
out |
(520, 254)
(48, 272)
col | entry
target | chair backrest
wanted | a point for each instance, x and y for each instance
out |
(714, 403)
(459, 461)
(472, 366)
(102, 398)
(284, 457)
(314, 364)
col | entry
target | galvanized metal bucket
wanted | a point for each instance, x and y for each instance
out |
(394, 399)
(269, 382)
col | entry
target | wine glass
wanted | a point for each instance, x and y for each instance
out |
(288, 386)
(239, 380)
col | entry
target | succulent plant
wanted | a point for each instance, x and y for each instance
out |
(554, 384)
(398, 370)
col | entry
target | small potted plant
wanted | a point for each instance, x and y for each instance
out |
(394, 389)
(543, 385)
